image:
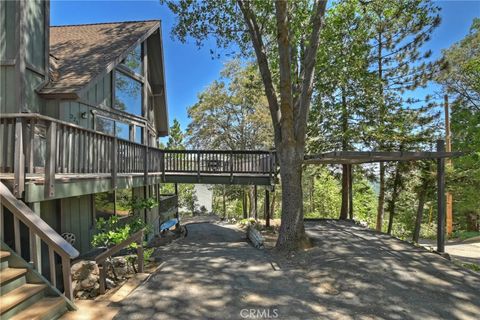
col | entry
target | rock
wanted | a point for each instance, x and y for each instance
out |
(110, 284)
(89, 282)
(122, 266)
(85, 275)
(82, 269)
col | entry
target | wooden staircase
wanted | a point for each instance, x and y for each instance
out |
(25, 294)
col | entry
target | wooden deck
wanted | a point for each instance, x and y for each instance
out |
(46, 152)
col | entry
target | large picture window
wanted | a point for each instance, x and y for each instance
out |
(104, 125)
(133, 61)
(112, 203)
(128, 94)
(122, 130)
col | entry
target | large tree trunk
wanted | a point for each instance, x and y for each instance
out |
(418, 220)
(345, 174)
(289, 115)
(345, 193)
(292, 232)
(393, 200)
(381, 198)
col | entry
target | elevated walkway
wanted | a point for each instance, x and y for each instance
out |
(46, 158)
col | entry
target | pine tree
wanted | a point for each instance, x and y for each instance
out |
(176, 137)
(399, 29)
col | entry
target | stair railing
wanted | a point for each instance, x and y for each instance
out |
(39, 229)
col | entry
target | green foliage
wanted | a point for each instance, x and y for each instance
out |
(461, 234)
(472, 266)
(247, 222)
(143, 203)
(324, 199)
(232, 112)
(147, 253)
(176, 137)
(112, 231)
(461, 81)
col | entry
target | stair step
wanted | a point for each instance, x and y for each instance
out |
(4, 254)
(17, 296)
(8, 274)
(46, 308)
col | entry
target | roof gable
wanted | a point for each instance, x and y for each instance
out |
(80, 54)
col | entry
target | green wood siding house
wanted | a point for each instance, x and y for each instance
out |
(107, 78)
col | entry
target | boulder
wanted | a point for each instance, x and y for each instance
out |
(85, 275)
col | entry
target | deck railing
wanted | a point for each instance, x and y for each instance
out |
(34, 143)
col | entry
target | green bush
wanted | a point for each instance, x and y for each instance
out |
(113, 231)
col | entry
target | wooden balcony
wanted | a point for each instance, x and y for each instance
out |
(47, 158)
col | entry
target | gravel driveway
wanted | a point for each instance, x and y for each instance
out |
(351, 274)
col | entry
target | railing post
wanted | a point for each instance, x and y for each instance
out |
(102, 278)
(52, 264)
(145, 165)
(231, 166)
(67, 278)
(19, 158)
(113, 160)
(16, 235)
(162, 164)
(50, 162)
(198, 166)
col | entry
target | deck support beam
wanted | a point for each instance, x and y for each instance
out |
(267, 207)
(255, 208)
(350, 192)
(441, 198)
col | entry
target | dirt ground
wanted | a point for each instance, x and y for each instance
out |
(350, 273)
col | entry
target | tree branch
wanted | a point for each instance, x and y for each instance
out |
(263, 66)
(307, 77)
(285, 69)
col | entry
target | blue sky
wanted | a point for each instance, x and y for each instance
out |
(189, 69)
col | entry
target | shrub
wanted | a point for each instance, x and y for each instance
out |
(113, 231)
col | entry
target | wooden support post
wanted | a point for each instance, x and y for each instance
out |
(448, 141)
(255, 194)
(102, 278)
(50, 163)
(176, 209)
(114, 163)
(441, 198)
(350, 192)
(267, 208)
(19, 165)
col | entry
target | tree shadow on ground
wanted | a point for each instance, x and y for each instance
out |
(350, 274)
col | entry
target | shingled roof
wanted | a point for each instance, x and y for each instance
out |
(81, 53)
